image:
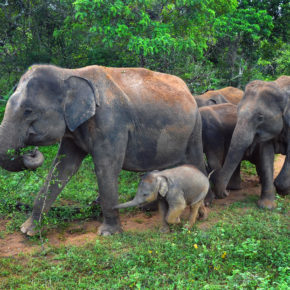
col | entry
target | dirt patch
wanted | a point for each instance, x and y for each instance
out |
(81, 232)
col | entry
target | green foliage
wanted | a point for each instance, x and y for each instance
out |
(210, 44)
(248, 168)
(241, 35)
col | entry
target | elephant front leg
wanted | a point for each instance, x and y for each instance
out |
(163, 209)
(65, 165)
(265, 171)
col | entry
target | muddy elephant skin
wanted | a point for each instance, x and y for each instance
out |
(213, 97)
(129, 118)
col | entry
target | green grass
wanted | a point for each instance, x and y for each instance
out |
(244, 248)
(248, 168)
(241, 251)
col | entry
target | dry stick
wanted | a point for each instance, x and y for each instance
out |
(45, 196)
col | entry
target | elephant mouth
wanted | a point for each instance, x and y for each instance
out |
(41, 140)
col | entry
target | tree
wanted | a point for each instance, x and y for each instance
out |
(240, 35)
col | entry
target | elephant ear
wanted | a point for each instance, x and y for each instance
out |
(163, 185)
(80, 102)
(211, 102)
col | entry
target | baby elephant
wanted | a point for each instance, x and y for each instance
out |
(174, 189)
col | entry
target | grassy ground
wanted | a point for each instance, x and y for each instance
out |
(244, 248)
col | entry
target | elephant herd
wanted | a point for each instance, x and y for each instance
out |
(139, 120)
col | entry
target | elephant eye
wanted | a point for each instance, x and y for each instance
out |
(27, 112)
(260, 117)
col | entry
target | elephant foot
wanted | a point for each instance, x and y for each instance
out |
(165, 229)
(107, 230)
(209, 198)
(202, 214)
(267, 203)
(29, 227)
(220, 190)
(283, 192)
(223, 194)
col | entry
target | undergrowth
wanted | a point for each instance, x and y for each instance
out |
(243, 248)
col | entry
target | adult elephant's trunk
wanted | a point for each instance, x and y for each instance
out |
(242, 139)
(10, 158)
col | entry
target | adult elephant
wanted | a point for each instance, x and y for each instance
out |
(218, 124)
(225, 95)
(263, 119)
(130, 118)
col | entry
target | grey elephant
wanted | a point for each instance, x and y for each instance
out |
(213, 97)
(130, 118)
(263, 119)
(174, 189)
(218, 124)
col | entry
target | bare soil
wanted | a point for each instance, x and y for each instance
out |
(81, 232)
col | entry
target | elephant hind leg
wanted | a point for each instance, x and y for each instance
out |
(108, 160)
(202, 212)
(194, 208)
(282, 181)
(194, 147)
(173, 216)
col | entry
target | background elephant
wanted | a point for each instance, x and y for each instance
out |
(263, 119)
(225, 95)
(129, 118)
(218, 124)
(174, 189)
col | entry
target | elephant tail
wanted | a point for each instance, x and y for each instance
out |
(210, 173)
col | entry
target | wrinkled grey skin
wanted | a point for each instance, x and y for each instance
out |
(174, 189)
(263, 119)
(218, 124)
(127, 118)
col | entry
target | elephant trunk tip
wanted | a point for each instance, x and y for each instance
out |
(127, 204)
(33, 160)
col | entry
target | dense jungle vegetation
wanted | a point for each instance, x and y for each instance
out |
(210, 44)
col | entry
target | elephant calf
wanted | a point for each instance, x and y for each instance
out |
(174, 189)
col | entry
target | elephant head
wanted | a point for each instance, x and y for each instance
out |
(263, 115)
(150, 186)
(211, 100)
(46, 102)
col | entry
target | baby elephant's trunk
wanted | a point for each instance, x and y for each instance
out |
(131, 203)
